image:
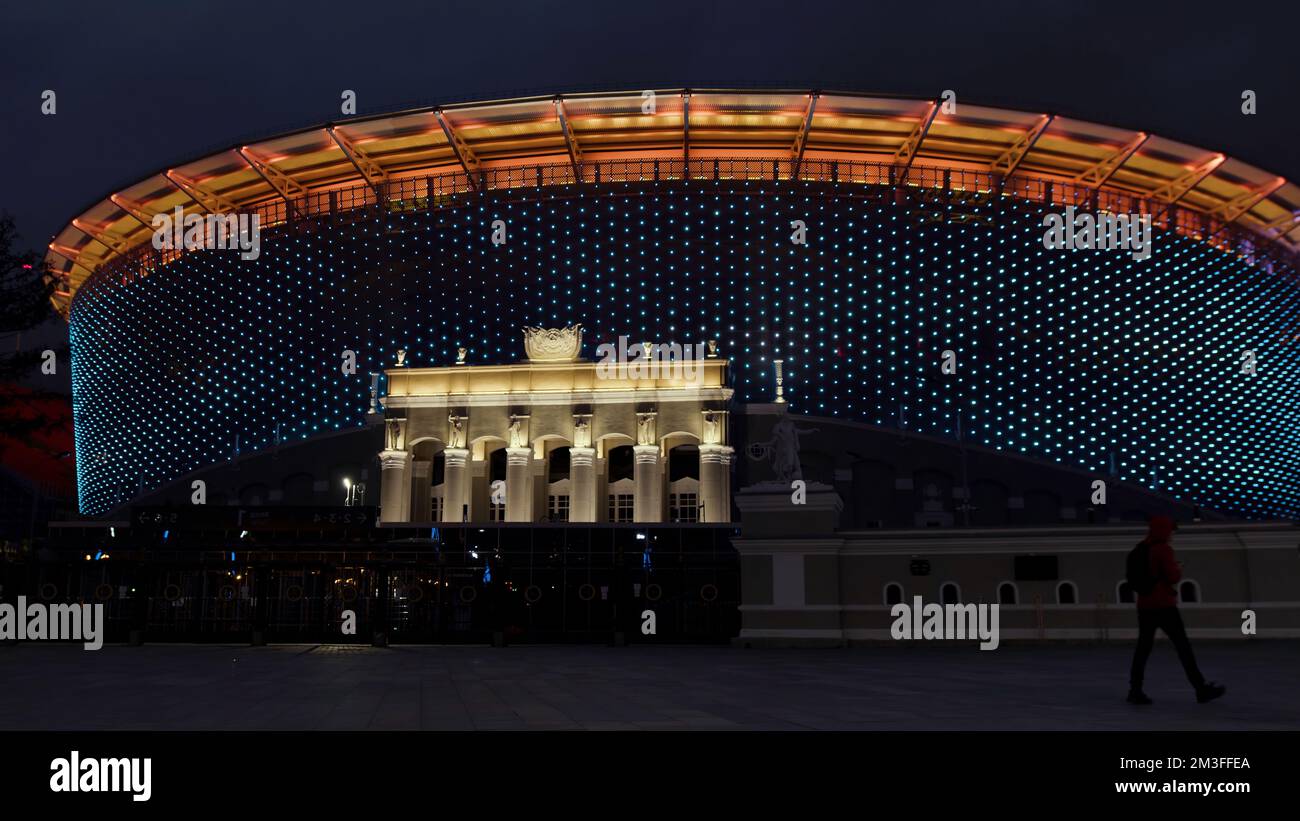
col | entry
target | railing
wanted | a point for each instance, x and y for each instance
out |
(344, 205)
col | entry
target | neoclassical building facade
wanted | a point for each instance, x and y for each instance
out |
(555, 438)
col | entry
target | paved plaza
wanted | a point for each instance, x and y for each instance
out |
(888, 687)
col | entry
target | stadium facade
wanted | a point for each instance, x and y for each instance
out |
(950, 368)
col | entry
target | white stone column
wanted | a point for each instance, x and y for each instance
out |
(519, 484)
(455, 483)
(715, 467)
(395, 486)
(582, 470)
(647, 474)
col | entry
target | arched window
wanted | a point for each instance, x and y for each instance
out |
(950, 593)
(1007, 593)
(893, 593)
(1189, 591)
(1067, 593)
(557, 465)
(1123, 593)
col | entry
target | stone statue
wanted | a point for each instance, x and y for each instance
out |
(394, 434)
(712, 428)
(713, 348)
(461, 353)
(456, 438)
(581, 432)
(517, 433)
(401, 357)
(783, 450)
(645, 429)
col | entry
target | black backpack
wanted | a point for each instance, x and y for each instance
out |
(1138, 569)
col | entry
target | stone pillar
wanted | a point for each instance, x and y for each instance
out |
(395, 486)
(421, 491)
(455, 483)
(582, 470)
(519, 484)
(715, 469)
(647, 474)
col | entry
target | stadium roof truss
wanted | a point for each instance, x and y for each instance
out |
(683, 125)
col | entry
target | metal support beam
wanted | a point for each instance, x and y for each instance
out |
(117, 246)
(1099, 174)
(1233, 209)
(366, 167)
(1174, 190)
(1009, 160)
(134, 210)
(464, 154)
(801, 141)
(575, 153)
(1284, 224)
(208, 201)
(284, 185)
(70, 255)
(911, 146)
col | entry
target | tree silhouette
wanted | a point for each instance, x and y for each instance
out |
(25, 289)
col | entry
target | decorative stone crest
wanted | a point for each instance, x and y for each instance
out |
(553, 344)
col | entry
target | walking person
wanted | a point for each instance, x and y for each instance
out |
(1153, 575)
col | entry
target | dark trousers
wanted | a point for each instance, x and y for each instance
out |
(1168, 620)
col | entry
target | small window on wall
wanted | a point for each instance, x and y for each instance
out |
(893, 593)
(1067, 593)
(1124, 593)
(1189, 591)
(558, 508)
(620, 507)
(1007, 593)
(436, 508)
(684, 507)
(950, 593)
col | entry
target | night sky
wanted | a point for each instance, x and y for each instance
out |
(143, 85)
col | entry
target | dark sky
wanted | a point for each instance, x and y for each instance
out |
(144, 84)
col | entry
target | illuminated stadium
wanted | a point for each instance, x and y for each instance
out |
(669, 216)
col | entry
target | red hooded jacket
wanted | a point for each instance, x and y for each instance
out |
(1163, 567)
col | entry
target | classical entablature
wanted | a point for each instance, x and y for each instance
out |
(557, 440)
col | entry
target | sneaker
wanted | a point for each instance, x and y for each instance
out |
(1209, 691)
(1138, 697)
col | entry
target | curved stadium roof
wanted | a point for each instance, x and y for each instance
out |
(789, 126)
